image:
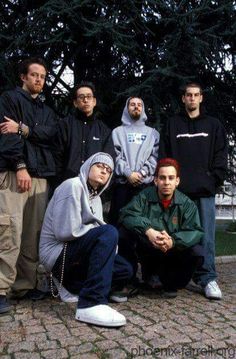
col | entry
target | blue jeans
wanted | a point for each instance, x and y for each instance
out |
(207, 272)
(91, 266)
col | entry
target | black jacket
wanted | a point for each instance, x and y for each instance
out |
(200, 146)
(34, 150)
(78, 137)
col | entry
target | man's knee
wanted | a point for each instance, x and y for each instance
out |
(110, 234)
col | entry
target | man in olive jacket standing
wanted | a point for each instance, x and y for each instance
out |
(165, 226)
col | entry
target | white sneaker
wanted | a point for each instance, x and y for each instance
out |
(102, 315)
(64, 294)
(212, 290)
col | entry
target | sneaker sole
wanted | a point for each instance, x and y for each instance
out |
(101, 323)
(118, 299)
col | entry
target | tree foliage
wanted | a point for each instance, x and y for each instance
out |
(149, 48)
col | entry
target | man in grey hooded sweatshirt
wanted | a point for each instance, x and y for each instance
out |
(136, 146)
(79, 249)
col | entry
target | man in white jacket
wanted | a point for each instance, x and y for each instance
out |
(79, 249)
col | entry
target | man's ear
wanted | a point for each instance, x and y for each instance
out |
(22, 77)
(177, 181)
(155, 181)
(75, 103)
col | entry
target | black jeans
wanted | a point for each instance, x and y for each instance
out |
(175, 268)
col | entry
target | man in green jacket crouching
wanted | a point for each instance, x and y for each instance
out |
(161, 225)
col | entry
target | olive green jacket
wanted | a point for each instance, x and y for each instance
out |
(180, 220)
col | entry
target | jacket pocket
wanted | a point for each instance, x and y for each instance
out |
(3, 180)
(5, 232)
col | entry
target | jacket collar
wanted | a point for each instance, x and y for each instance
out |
(152, 196)
(28, 96)
(81, 116)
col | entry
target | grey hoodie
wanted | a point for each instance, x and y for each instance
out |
(71, 213)
(136, 147)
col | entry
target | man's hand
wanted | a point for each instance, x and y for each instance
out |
(135, 179)
(9, 126)
(23, 179)
(160, 240)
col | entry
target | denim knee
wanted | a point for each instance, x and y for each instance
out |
(110, 234)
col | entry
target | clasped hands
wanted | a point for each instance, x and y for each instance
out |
(159, 239)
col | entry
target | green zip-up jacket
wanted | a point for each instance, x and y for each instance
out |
(180, 220)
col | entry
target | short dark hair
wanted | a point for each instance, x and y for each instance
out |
(167, 162)
(84, 84)
(25, 64)
(191, 84)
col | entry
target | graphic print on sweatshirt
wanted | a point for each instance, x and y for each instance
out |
(135, 137)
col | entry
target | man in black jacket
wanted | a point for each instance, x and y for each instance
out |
(198, 142)
(80, 135)
(27, 126)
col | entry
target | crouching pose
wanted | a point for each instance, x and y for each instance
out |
(79, 249)
(164, 226)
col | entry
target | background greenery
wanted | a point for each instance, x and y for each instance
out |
(149, 48)
(225, 243)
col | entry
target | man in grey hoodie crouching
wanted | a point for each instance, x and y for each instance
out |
(79, 249)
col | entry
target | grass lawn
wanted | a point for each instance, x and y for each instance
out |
(225, 243)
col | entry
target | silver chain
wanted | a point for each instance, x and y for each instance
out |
(62, 274)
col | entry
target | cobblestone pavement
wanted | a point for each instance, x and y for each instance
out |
(189, 326)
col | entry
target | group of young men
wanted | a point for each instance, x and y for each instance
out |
(151, 222)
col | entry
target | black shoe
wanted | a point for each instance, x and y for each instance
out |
(169, 293)
(5, 306)
(35, 294)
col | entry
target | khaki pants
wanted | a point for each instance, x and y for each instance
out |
(21, 217)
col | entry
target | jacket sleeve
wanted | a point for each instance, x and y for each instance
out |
(11, 145)
(151, 162)
(219, 165)
(132, 215)
(121, 166)
(190, 232)
(67, 220)
(42, 134)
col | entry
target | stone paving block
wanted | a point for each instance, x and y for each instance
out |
(115, 334)
(106, 344)
(85, 356)
(34, 329)
(18, 355)
(13, 338)
(22, 346)
(55, 354)
(47, 344)
(37, 337)
(131, 342)
(116, 354)
(56, 331)
(6, 319)
(80, 349)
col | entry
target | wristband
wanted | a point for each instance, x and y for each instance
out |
(20, 130)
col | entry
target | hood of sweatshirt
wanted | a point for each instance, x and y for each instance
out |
(101, 157)
(127, 120)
